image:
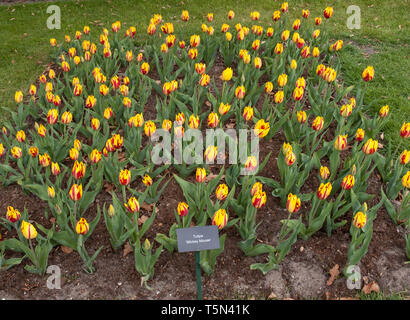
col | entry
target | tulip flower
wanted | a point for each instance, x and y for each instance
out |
(276, 15)
(151, 29)
(257, 186)
(95, 156)
(405, 181)
(240, 92)
(13, 215)
(290, 158)
(261, 128)
(359, 134)
(111, 210)
(298, 93)
(55, 169)
(384, 111)
(368, 74)
(220, 219)
(20, 136)
(231, 15)
(296, 24)
(193, 53)
(324, 172)
(286, 147)
(210, 17)
(293, 203)
(279, 96)
(359, 220)
(226, 74)
(16, 152)
(18, 96)
(278, 48)
(223, 108)
(405, 130)
(293, 64)
(346, 110)
(95, 124)
(149, 128)
(247, 113)
(301, 116)
(33, 90)
(228, 36)
(76, 192)
(28, 230)
(195, 40)
(259, 199)
(133, 205)
(269, 32)
(200, 175)
(204, 80)
(404, 157)
(33, 151)
(108, 113)
(282, 80)
(370, 146)
(324, 190)
(182, 209)
(284, 7)
(185, 15)
(82, 227)
(251, 163)
(210, 153)
(341, 142)
(317, 124)
(124, 177)
(328, 12)
(348, 182)
(193, 122)
(78, 170)
(51, 192)
(221, 192)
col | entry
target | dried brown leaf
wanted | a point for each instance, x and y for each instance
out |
(66, 250)
(371, 287)
(334, 272)
(127, 249)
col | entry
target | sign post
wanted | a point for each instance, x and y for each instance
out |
(198, 239)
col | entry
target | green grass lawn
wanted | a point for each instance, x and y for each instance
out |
(382, 41)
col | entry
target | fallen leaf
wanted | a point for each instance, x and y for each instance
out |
(127, 249)
(147, 206)
(371, 287)
(334, 272)
(66, 250)
(142, 219)
(52, 220)
(108, 187)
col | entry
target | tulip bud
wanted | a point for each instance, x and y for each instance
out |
(290, 158)
(82, 227)
(359, 134)
(220, 219)
(405, 181)
(384, 111)
(210, 154)
(247, 113)
(133, 205)
(405, 130)
(221, 192)
(370, 146)
(359, 220)
(251, 164)
(405, 157)
(368, 74)
(293, 203)
(324, 191)
(111, 210)
(55, 169)
(200, 175)
(324, 172)
(341, 142)
(317, 124)
(227, 74)
(348, 182)
(124, 177)
(76, 192)
(182, 209)
(257, 186)
(13, 215)
(259, 199)
(51, 193)
(28, 230)
(149, 128)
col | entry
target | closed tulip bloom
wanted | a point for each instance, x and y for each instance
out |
(95, 124)
(278, 48)
(359, 220)
(261, 128)
(65, 66)
(251, 164)
(296, 24)
(204, 80)
(20, 136)
(151, 29)
(293, 203)
(224, 108)
(182, 209)
(316, 34)
(95, 156)
(77, 144)
(220, 219)
(180, 118)
(286, 147)
(193, 53)
(164, 48)
(405, 181)
(276, 15)
(279, 96)
(53, 42)
(16, 152)
(33, 151)
(133, 205)
(221, 192)
(282, 80)
(405, 157)
(298, 93)
(210, 153)
(246, 58)
(66, 117)
(227, 74)
(346, 110)
(51, 192)
(317, 124)
(13, 215)
(348, 182)
(370, 146)
(210, 17)
(149, 128)
(240, 92)
(284, 7)
(18, 96)
(126, 102)
(200, 68)
(241, 35)
(82, 227)
(76, 192)
(179, 131)
(184, 15)
(213, 120)
(108, 113)
(124, 177)
(74, 153)
(231, 15)
(329, 74)
(324, 172)
(193, 122)
(257, 186)
(384, 111)
(78, 170)
(55, 168)
(341, 142)
(167, 124)
(328, 12)
(318, 21)
(195, 40)
(33, 90)
(90, 102)
(405, 130)
(259, 199)
(257, 63)
(28, 230)
(359, 134)
(228, 36)
(247, 113)
(324, 191)
(269, 32)
(200, 175)
(285, 35)
(368, 74)
(52, 116)
(111, 210)
(224, 28)
(305, 13)
(3, 151)
(301, 116)
(315, 52)
(290, 158)
(255, 15)
(268, 87)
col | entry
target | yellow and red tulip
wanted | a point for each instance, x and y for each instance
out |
(124, 177)
(33, 151)
(220, 219)
(82, 227)
(384, 111)
(133, 205)
(405, 130)
(224, 108)
(78, 170)
(348, 182)
(368, 74)
(290, 158)
(298, 93)
(182, 209)
(405, 181)
(185, 15)
(13, 215)
(359, 220)
(200, 175)
(95, 156)
(261, 128)
(324, 172)
(55, 168)
(44, 159)
(257, 186)
(370, 146)
(76, 192)
(279, 96)
(149, 128)
(317, 124)
(301, 116)
(240, 92)
(259, 199)
(405, 157)
(210, 153)
(359, 134)
(324, 190)
(293, 203)
(247, 113)
(328, 12)
(341, 142)
(221, 192)
(193, 122)
(28, 230)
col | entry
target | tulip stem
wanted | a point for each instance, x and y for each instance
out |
(124, 195)
(284, 227)
(34, 255)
